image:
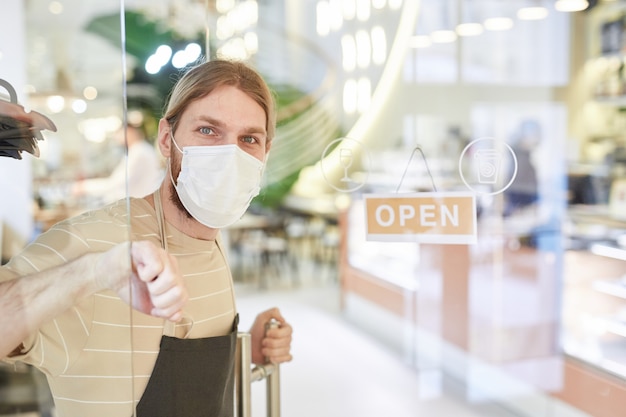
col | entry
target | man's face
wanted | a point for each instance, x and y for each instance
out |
(226, 116)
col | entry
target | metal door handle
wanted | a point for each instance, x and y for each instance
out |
(245, 375)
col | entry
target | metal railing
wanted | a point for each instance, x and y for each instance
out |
(245, 375)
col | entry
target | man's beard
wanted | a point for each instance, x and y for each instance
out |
(175, 172)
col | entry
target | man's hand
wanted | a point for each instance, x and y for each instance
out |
(273, 345)
(153, 285)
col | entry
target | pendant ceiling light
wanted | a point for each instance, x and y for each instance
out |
(420, 41)
(60, 95)
(423, 26)
(571, 5)
(534, 10)
(499, 18)
(498, 23)
(468, 24)
(444, 33)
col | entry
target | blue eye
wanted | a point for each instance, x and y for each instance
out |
(206, 130)
(249, 139)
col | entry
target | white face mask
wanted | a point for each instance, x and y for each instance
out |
(217, 183)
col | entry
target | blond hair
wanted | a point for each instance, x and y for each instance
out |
(202, 79)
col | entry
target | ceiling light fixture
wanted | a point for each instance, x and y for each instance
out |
(60, 96)
(348, 52)
(379, 45)
(499, 16)
(363, 10)
(469, 29)
(534, 11)
(468, 25)
(420, 41)
(322, 18)
(498, 23)
(423, 27)
(395, 4)
(443, 32)
(348, 9)
(158, 59)
(335, 16)
(55, 7)
(90, 92)
(379, 4)
(443, 36)
(186, 56)
(363, 49)
(571, 5)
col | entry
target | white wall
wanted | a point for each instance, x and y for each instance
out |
(15, 175)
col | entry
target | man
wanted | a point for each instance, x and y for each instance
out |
(64, 300)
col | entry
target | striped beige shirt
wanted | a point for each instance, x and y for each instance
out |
(99, 355)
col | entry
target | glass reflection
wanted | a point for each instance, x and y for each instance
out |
(81, 93)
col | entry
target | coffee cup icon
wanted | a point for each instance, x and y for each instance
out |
(488, 167)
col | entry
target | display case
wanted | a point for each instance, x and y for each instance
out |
(594, 299)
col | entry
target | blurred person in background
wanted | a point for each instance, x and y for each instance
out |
(141, 169)
(524, 190)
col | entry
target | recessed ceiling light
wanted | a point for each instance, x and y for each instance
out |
(90, 93)
(55, 7)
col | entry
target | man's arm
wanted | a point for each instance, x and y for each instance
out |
(28, 301)
(150, 283)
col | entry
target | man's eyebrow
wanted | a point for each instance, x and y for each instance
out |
(260, 130)
(211, 120)
(218, 123)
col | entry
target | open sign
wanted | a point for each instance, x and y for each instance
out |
(446, 218)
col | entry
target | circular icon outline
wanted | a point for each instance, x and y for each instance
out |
(469, 145)
(325, 153)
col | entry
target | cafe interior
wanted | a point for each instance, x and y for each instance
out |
(442, 215)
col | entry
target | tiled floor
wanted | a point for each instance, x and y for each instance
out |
(340, 371)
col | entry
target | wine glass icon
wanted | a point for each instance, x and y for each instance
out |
(345, 160)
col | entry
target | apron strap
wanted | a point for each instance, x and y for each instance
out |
(169, 328)
(160, 219)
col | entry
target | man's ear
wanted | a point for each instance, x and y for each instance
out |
(164, 138)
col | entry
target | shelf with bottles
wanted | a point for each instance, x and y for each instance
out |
(609, 80)
(607, 54)
(612, 101)
(607, 29)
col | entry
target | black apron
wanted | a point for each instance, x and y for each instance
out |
(191, 377)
